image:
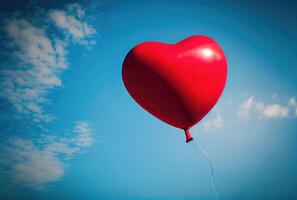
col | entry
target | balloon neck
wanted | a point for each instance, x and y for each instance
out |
(188, 135)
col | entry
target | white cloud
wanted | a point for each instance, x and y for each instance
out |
(84, 137)
(76, 9)
(72, 23)
(40, 62)
(272, 110)
(245, 108)
(293, 104)
(39, 58)
(28, 164)
(35, 163)
(62, 147)
(213, 124)
(275, 111)
(37, 168)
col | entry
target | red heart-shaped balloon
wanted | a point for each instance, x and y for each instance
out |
(177, 83)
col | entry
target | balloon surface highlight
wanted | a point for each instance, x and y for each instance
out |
(177, 83)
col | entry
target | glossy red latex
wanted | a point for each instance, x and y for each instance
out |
(177, 83)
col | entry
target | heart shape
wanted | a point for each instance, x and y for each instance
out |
(177, 83)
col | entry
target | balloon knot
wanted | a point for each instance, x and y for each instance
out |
(188, 136)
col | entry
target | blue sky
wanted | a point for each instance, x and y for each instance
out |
(69, 129)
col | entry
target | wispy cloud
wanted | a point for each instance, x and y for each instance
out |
(84, 138)
(72, 23)
(213, 124)
(271, 110)
(38, 162)
(39, 57)
(245, 108)
(293, 104)
(39, 64)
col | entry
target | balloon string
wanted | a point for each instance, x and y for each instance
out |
(210, 166)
